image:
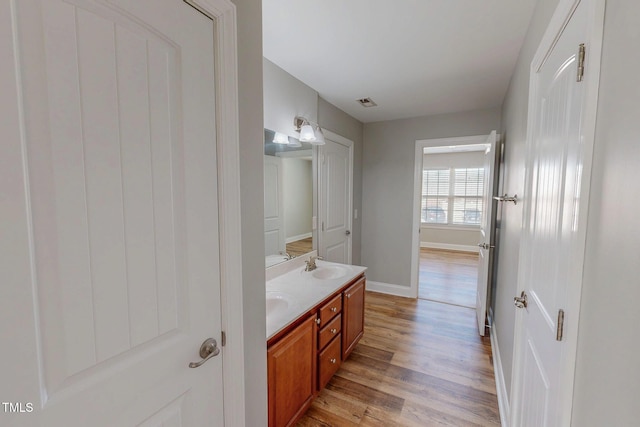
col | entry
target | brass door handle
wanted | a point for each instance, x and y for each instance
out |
(208, 349)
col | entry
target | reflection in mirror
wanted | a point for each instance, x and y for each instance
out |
(288, 197)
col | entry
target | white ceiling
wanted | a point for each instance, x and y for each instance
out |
(412, 57)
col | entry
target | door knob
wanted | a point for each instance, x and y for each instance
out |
(208, 349)
(347, 232)
(521, 301)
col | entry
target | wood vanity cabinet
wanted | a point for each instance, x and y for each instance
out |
(291, 367)
(352, 317)
(302, 358)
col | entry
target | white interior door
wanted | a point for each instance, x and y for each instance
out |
(550, 249)
(336, 176)
(120, 190)
(274, 237)
(485, 233)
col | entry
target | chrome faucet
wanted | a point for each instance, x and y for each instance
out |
(311, 263)
(286, 254)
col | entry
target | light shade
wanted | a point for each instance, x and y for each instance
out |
(280, 138)
(307, 134)
(319, 139)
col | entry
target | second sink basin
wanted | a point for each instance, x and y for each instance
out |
(277, 301)
(330, 272)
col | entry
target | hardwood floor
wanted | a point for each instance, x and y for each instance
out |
(300, 247)
(448, 276)
(419, 363)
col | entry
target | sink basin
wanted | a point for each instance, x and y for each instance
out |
(330, 272)
(277, 301)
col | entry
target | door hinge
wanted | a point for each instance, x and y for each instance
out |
(560, 325)
(223, 339)
(581, 54)
(322, 225)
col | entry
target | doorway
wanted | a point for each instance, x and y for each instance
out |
(453, 187)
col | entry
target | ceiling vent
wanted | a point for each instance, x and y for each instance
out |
(367, 102)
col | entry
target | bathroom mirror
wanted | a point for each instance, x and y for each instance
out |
(289, 197)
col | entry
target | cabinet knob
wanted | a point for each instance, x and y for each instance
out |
(318, 320)
(348, 295)
(332, 360)
(334, 330)
(334, 309)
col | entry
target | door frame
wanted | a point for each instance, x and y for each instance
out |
(421, 144)
(593, 42)
(223, 14)
(334, 137)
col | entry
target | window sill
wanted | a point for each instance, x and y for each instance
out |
(451, 227)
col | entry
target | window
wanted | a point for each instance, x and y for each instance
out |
(452, 196)
(435, 195)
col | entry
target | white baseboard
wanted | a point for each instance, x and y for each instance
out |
(390, 289)
(298, 237)
(450, 247)
(501, 387)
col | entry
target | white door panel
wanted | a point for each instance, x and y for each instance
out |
(335, 201)
(549, 248)
(122, 184)
(274, 235)
(485, 232)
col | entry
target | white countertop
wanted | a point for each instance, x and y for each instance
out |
(297, 291)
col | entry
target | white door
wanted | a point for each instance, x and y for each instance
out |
(335, 201)
(274, 240)
(485, 233)
(550, 250)
(119, 157)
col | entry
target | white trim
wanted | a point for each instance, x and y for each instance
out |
(334, 137)
(501, 386)
(450, 247)
(389, 289)
(456, 140)
(298, 237)
(223, 13)
(457, 227)
(421, 144)
(593, 43)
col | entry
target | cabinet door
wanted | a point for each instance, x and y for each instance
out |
(291, 364)
(352, 317)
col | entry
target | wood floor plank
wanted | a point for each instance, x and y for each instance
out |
(300, 247)
(448, 276)
(419, 363)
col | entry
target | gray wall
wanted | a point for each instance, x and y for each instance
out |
(249, 17)
(387, 181)
(332, 118)
(508, 215)
(608, 370)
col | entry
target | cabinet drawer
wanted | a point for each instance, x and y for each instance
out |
(328, 362)
(329, 332)
(330, 310)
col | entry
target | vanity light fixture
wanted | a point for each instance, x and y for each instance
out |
(280, 138)
(294, 143)
(307, 131)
